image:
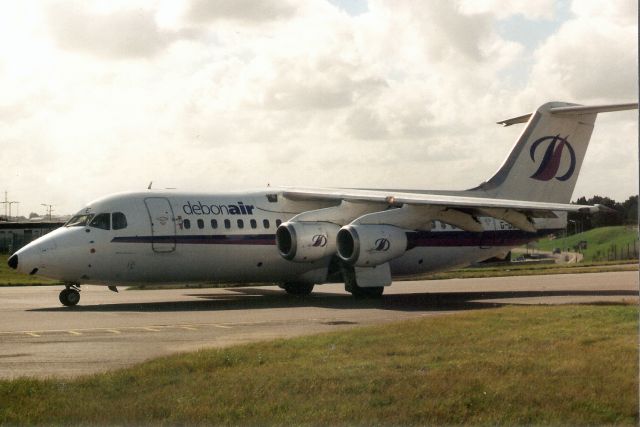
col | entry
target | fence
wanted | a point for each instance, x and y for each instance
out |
(617, 252)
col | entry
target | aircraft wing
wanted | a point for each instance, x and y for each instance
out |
(400, 198)
(460, 211)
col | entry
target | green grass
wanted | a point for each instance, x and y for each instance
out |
(524, 269)
(571, 365)
(600, 242)
(11, 277)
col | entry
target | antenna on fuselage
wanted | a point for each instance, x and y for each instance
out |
(150, 184)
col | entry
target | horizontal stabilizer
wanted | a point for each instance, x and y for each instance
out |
(520, 119)
(589, 109)
(574, 110)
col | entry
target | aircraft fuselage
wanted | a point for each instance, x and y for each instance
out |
(170, 237)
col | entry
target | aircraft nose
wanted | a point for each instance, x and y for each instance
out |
(13, 262)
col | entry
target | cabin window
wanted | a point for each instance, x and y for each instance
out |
(254, 224)
(200, 223)
(214, 223)
(187, 224)
(278, 222)
(118, 220)
(102, 221)
(265, 223)
(227, 223)
(240, 223)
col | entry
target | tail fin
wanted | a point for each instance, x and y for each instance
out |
(546, 159)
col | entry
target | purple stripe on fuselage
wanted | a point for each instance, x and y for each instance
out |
(415, 238)
(233, 239)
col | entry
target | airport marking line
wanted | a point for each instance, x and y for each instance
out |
(215, 325)
(152, 328)
(119, 330)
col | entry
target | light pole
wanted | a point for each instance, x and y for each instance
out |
(49, 209)
(13, 203)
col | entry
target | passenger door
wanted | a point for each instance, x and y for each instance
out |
(163, 224)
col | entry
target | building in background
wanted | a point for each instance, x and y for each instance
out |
(14, 235)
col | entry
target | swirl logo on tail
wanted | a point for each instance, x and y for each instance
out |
(550, 163)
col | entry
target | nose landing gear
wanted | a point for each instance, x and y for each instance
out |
(70, 296)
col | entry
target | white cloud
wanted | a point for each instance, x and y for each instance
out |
(127, 33)
(248, 11)
(540, 9)
(590, 57)
(102, 97)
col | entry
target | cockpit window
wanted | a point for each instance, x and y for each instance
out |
(79, 220)
(102, 221)
(119, 221)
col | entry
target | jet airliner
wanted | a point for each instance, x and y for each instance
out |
(301, 237)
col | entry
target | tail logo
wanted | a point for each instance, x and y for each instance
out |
(550, 163)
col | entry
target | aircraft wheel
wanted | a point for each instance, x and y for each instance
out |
(69, 297)
(361, 292)
(299, 289)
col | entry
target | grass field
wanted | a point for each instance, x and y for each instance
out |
(573, 365)
(530, 270)
(601, 243)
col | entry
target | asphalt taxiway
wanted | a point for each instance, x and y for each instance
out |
(39, 337)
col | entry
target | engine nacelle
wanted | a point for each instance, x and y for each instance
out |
(306, 241)
(370, 245)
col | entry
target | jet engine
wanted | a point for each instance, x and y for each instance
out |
(306, 241)
(370, 245)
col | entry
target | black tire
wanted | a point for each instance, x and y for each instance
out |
(373, 292)
(298, 289)
(69, 297)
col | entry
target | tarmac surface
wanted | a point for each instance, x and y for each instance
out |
(40, 338)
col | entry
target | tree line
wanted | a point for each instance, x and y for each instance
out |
(626, 213)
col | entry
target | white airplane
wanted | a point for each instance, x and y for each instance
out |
(303, 237)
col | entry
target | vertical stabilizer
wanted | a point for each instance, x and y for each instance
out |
(545, 162)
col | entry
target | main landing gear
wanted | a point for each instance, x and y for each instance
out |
(70, 296)
(361, 292)
(351, 285)
(298, 289)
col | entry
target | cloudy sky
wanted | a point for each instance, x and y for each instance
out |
(106, 96)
